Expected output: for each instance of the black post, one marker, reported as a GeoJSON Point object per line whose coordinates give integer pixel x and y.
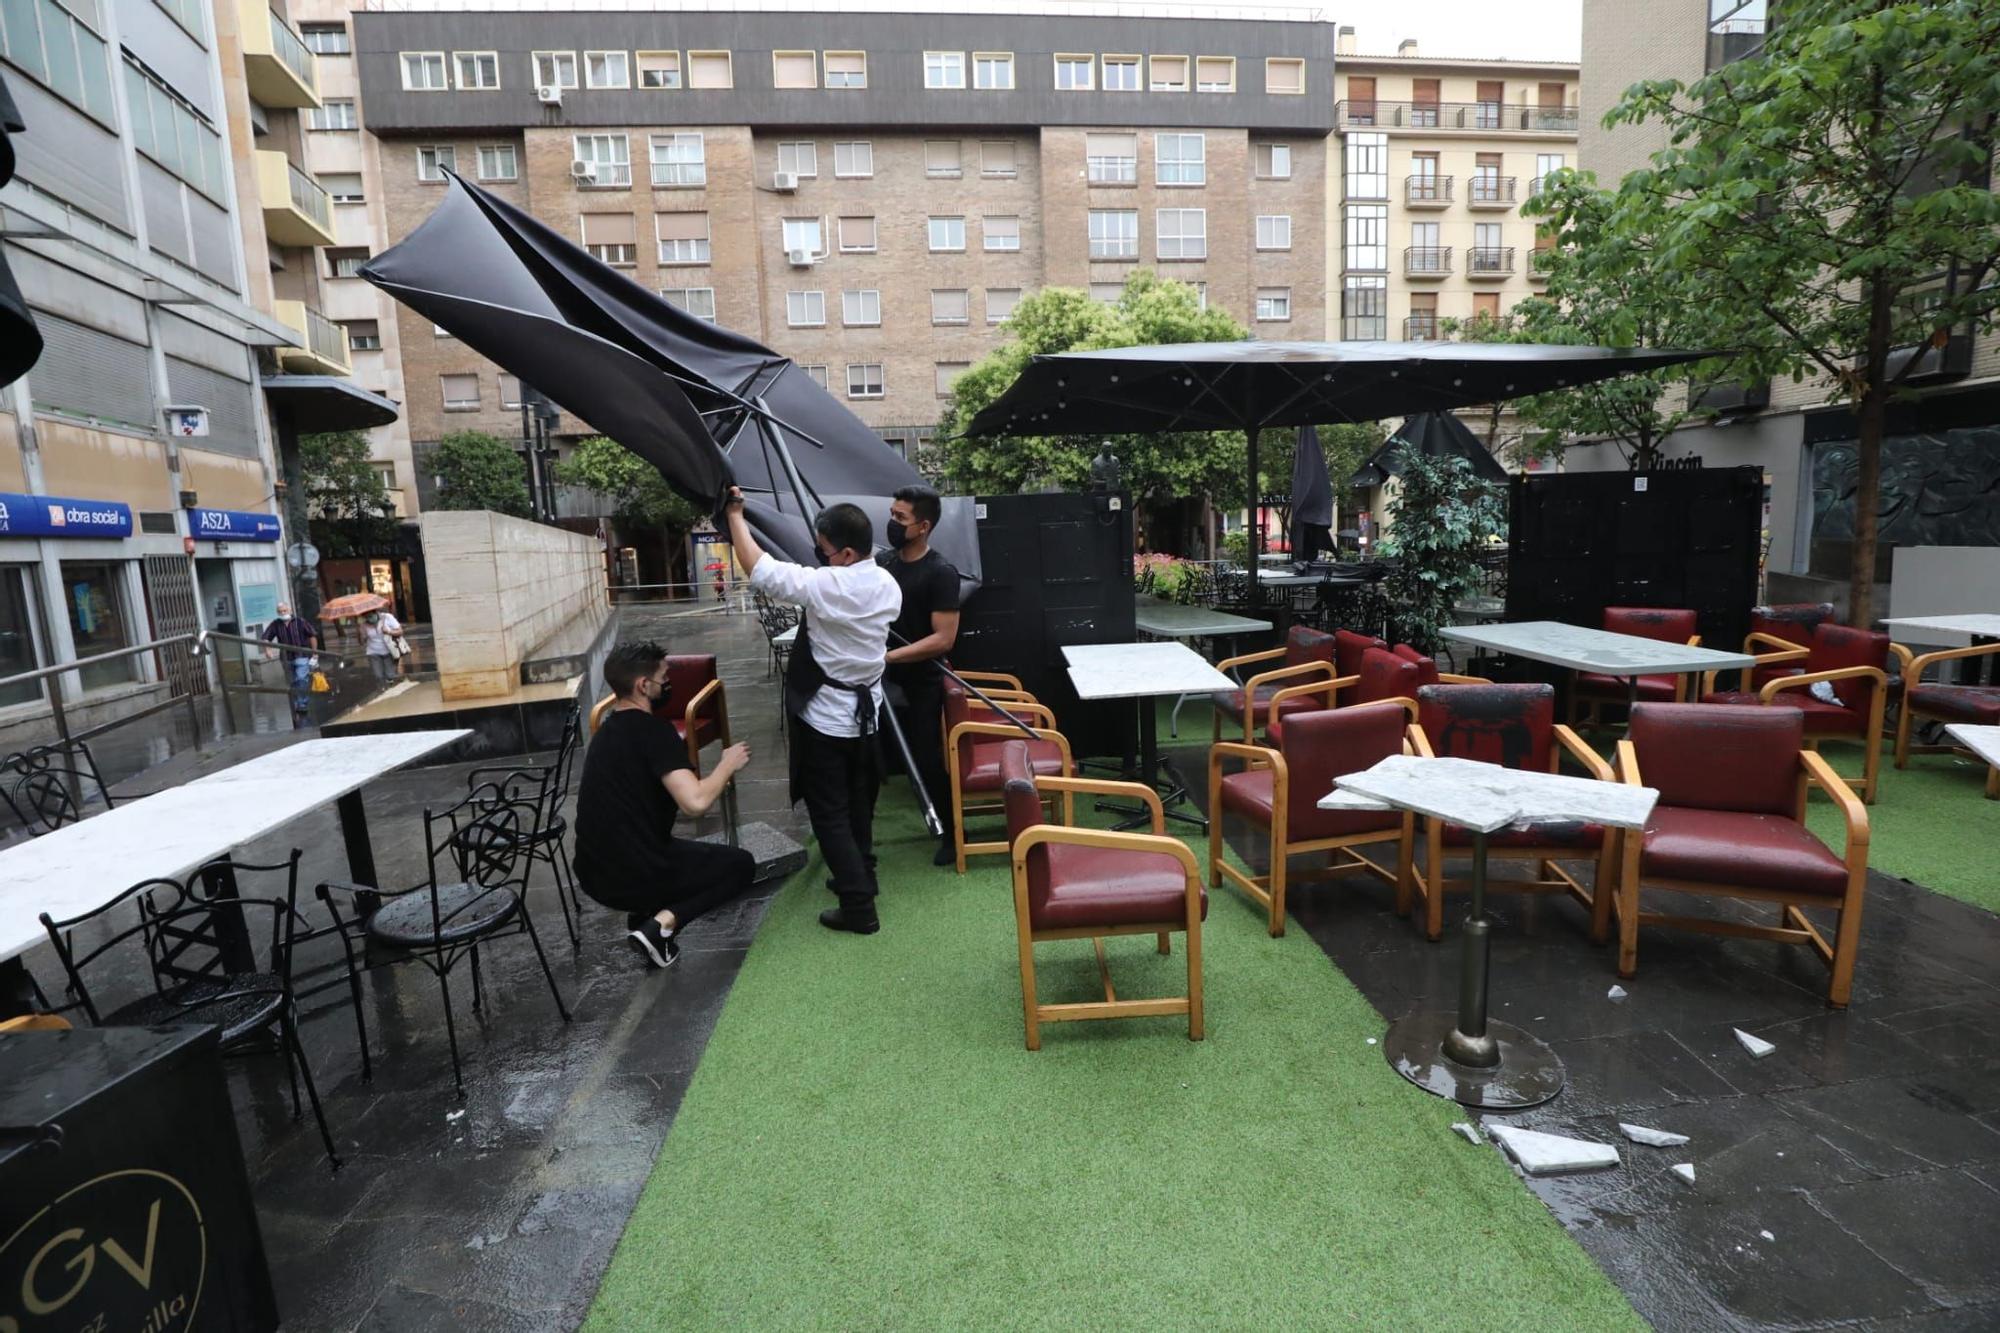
{"type": "Point", "coordinates": [1256, 516]}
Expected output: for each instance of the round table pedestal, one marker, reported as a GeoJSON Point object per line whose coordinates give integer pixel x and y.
{"type": "Point", "coordinates": [1528, 1072]}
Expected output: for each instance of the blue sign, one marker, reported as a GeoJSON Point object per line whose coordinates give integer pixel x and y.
{"type": "Point", "coordinates": [232, 525]}
{"type": "Point", "coordinates": [62, 516]}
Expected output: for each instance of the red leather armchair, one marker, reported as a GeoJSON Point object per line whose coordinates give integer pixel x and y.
{"type": "Point", "coordinates": [1279, 790]}
{"type": "Point", "coordinates": [1786, 627]}
{"type": "Point", "coordinates": [696, 704]}
{"type": "Point", "coordinates": [1852, 661]}
{"type": "Point", "coordinates": [1382, 676]}
{"type": "Point", "coordinates": [1668, 625]}
{"type": "Point", "coordinates": [1308, 654]}
{"type": "Point", "coordinates": [1978, 704]}
{"type": "Point", "coordinates": [1731, 821]}
{"type": "Point", "coordinates": [1515, 727]}
{"type": "Point", "coordinates": [1073, 883]}
{"type": "Point", "coordinates": [975, 736]}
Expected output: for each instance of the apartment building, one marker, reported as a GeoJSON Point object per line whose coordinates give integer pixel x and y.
{"type": "Point", "coordinates": [1438, 156]}
{"type": "Point", "coordinates": [868, 194]}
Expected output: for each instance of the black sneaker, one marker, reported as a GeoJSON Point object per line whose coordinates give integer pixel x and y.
{"type": "Point", "coordinates": [858, 920]}
{"type": "Point", "coordinates": [654, 944]}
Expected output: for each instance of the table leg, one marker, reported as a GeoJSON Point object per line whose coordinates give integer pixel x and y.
{"type": "Point", "coordinates": [360, 852]}
{"type": "Point", "coordinates": [1173, 790]}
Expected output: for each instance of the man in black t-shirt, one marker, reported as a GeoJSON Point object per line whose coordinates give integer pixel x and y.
{"type": "Point", "coordinates": [919, 637]}
{"type": "Point", "coordinates": [636, 779]}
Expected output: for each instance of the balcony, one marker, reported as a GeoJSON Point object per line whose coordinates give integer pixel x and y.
{"type": "Point", "coordinates": [321, 348]}
{"type": "Point", "coordinates": [1490, 192]}
{"type": "Point", "coordinates": [1938, 362]}
{"type": "Point", "coordinates": [1456, 117]}
{"type": "Point", "coordinates": [297, 209]}
{"type": "Point", "coordinates": [1538, 263]}
{"type": "Point", "coordinates": [1421, 328]}
{"type": "Point", "coordinates": [278, 68]}
{"type": "Point", "coordinates": [1489, 261]}
{"type": "Point", "coordinates": [1427, 261]}
{"type": "Point", "coordinates": [1427, 191]}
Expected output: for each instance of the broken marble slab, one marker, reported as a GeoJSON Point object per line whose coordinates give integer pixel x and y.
{"type": "Point", "coordinates": [1542, 1154]}
{"type": "Point", "coordinates": [1616, 994]}
{"type": "Point", "coordinates": [1757, 1046]}
{"type": "Point", "coordinates": [1485, 797]}
{"type": "Point", "coordinates": [1466, 1132]}
{"type": "Point", "coordinates": [1652, 1138]}
{"type": "Point", "coordinates": [1685, 1170]}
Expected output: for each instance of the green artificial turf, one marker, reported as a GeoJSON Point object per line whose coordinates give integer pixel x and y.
{"type": "Point", "coordinates": [1930, 823]}
{"type": "Point", "coordinates": [867, 1143]}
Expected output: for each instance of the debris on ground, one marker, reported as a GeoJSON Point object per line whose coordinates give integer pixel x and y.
{"type": "Point", "coordinates": [1757, 1046]}
{"type": "Point", "coordinates": [1615, 994]}
{"type": "Point", "coordinates": [1466, 1132]}
{"type": "Point", "coordinates": [1652, 1138]}
{"type": "Point", "coordinates": [1685, 1171]}
{"type": "Point", "coordinates": [1541, 1154]}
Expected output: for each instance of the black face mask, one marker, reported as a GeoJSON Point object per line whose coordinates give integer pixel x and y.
{"type": "Point", "coordinates": [899, 536]}
{"type": "Point", "coordinates": [820, 552]}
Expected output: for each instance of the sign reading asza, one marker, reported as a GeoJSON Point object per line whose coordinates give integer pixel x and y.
{"type": "Point", "coordinates": [61, 516]}
{"type": "Point", "coordinates": [232, 525]}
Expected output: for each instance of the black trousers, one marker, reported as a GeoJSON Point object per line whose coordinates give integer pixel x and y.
{"type": "Point", "coordinates": [922, 717]}
{"type": "Point", "coordinates": [703, 876]}
{"type": "Point", "coordinates": [838, 778]}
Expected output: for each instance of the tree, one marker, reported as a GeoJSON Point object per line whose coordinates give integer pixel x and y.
{"type": "Point", "coordinates": [1827, 202]}
{"type": "Point", "coordinates": [1441, 517]}
{"type": "Point", "coordinates": [479, 471]}
{"type": "Point", "coordinates": [347, 502]}
{"type": "Point", "coordinates": [639, 494]}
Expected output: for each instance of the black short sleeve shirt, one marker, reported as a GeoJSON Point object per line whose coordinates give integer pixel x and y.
{"type": "Point", "coordinates": [929, 583]}
{"type": "Point", "coordinates": [624, 814]}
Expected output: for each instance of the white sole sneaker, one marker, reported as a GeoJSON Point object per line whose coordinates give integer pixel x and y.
{"type": "Point", "coordinates": [642, 941]}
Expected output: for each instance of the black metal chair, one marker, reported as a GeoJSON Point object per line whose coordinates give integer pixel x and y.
{"type": "Point", "coordinates": [199, 949]}
{"type": "Point", "coordinates": [546, 787]}
{"type": "Point", "coordinates": [775, 619]}
{"type": "Point", "coordinates": [48, 786]}
{"type": "Point", "coordinates": [477, 859]}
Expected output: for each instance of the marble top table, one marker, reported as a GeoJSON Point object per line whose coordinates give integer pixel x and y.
{"type": "Point", "coordinates": [1982, 741]}
{"type": "Point", "coordinates": [1143, 672]}
{"type": "Point", "coordinates": [1484, 797]}
{"type": "Point", "coordinates": [1952, 630]}
{"type": "Point", "coordinates": [1172, 620]}
{"type": "Point", "coordinates": [1583, 649]}
{"type": "Point", "coordinates": [1284, 577]}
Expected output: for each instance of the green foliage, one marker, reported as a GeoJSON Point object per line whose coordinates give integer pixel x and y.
{"type": "Point", "coordinates": [1441, 516]}
{"type": "Point", "coordinates": [639, 493]}
{"type": "Point", "coordinates": [479, 471]}
{"type": "Point", "coordinates": [1236, 548]}
{"type": "Point", "coordinates": [347, 502]}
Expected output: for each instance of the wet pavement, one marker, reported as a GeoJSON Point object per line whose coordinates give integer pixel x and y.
{"type": "Point", "coordinates": [1849, 1179]}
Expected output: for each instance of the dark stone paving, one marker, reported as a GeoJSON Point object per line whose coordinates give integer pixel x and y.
{"type": "Point", "coordinates": [1867, 1145]}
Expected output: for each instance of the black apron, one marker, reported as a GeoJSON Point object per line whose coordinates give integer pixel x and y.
{"type": "Point", "coordinates": [805, 678]}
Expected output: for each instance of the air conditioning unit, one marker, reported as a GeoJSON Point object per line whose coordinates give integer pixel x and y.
{"type": "Point", "coordinates": [800, 258]}
{"type": "Point", "coordinates": [785, 182]}
{"type": "Point", "coordinates": [549, 94]}
{"type": "Point", "coordinates": [583, 171]}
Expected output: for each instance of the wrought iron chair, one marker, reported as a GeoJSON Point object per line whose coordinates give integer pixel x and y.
{"type": "Point", "coordinates": [546, 788]}
{"type": "Point", "coordinates": [202, 960]}
{"type": "Point", "coordinates": [477, 859]}
{"type": "Point", "coordinates": [48, 786]}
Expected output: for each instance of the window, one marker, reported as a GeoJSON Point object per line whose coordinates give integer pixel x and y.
{"type": "Point", "coordinates": [1546, 165]}
{"type": "Point", "coordinates": [1121, 74]}
{"type": "Point", "coordinates": [461, 392]}
{"type": "Point", "coordinates": [1000, 303]}
{"type": "Point", "coordinates": [343, 187]}
{"type": "Point", "coordinates": [710, 69]}
{"type": "Point", "coordinates": [861, 309]}
{"type": "Point", "coordinates": [1367, 165]}
{"type": "Point", "coordinates": [607, 69]}
{"type": "Point", "coordinates": [857, 235]}
{"type": "Point", "coordinates": [433, 160]}
{"type": "Point", "coordinates": [801, 159]}
{"type": "Point", "coordinates": [611, 157]}
{"type": "Point", "coordinates": [363, 335]}
{"type": "Point", "coordinates": [1114, 233]}
{"type": "Point", "coordinates": [1111, 159]}
{"type": "Point", "coordinates": [1284, 76]}
{"type": "Point", "coordinates": [802, 234]}
{"type": "Point", "coordinates": [477, 69]}
{"type": "Point", "coordinates": [498, 163]}
{"type": "Point", "coordinates": [1422, 325]}
{"type": "Point", "coordinates": [1274, 161]}
{"type": "Point", "coordinates": [950, 306]}
{"type": "Point", "coordinates": [187, 13]}
{"type": "Point", "coordinates": [948, 373]}
{"type": "Point", "coordinates": [1488, 255]}
{"type": "Point", "coordinates": [1486, 187]}
{"type": "Point", "coordinates": [805, 310]}
{"type": "Point", "coordinates": [996, 158]}
{"type": "Point", "coordinates": [794, 69]}
{"type": "Point", "coordinates": [1360, 100]}
{"type": "Point", "coordinates": [696, 301]}
{"type": "Point", "coordinates": [1182, 233]}
{"type": "Point", "coordinates": [1364, 309]}
{"type": "Point", "coordinates": [1735, 30]}
{"type": "Point", "coordinates": [1274, 304]}
{"type": "Point", "coordinates": [1425, 235]}
{"type": "Point", "coordinates": [555, 69]}
{"type": "Point", "coordinates": [17, 637]}
{"type": "Point", "coordinates": [1486, 305]}
{"type": "Point", "coordinates": [683, 237]}
{"type": "Point", "coordinates": [1000, 233]}
{"type": "Point", "coordinates": [1274, 231]}
{"type": "Point", "coordinates": [679, 159]}
{"type": "Point", "coordinates": [346, 262]}
{"type": "Point", "coordinates": [94, 592]}
{"type": "Point", "coordinates": [1180, 159]}
{"type": "Point", "coordinates": [1215, 74]}
{"type": "Point", "coordinates": [815, 373]}
{"type": "Point", "coordinates": [167, 129]}
{"type": "Point", "coordinates": [333, 114]}
{"type": "Point", "coordinates": [864, 380]}
{"type": "Point", "coordinates": [1367, 238]}
{"type": "Point", "coordinates": [61, 50]}
{"type": "Point", "coordinates": [944, 159]}
{"type": "Point", "coordinates": [947, 233]}
{"type": "Point", "coordinates": [993, 71]}
{"type": "Point", "coordinates": [854, 159]}
{"type": "Point", "coordinates": [1106, 293]}
{"type": "Point", "coordinates": [510, 390]}
{"type": "Point", "coordinates": [423, 71]}
{"type": "Point", "coordinates": [1490, 93]}
{"type": "Point", "coordinates": [659, 69]}
{"type": "Point", "coordinates": [326, 39]}
{"type": "Point", "coordinates": [1424, 102]}
{"type": "Point", "coordinates": [944, 69]}
{"type": "Point", "coordinates": [1169, 74]}
{"type": "Point", "coordinates": [1076, 73]}
{"type": "Point", "coordinates": [846, 69]}
{"type": "Point", "coordinates": [612, 238]}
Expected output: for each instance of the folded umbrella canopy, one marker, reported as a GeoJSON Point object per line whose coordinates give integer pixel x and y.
{"type": "Point", "coordinates": [20, 340]}
{"type": "Point", "coordinates": [1433, 435]}
{"type": "Point", "coordinates": [1312, 497]}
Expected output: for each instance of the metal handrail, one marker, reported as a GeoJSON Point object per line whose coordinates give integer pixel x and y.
{"type": "Point", "coordinates": [54, 693]}
{"type": "Point", "coordinates": [201, 645]}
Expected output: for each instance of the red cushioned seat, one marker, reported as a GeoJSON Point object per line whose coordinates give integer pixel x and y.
{"type": "Point", "coordinates": [687, 675]}
{"type": "Point", "coordinates": [1249, 794]}
{"type": "Point", "coordinates": [1045, 757]}
{"type": "Point", "coordinates": [1730, 847]}
{"type": "Point", "coordinates": [1822, 718]}
{"type": "Point", "coordinates": [1958, 703]}
{"type": "Point", "coordinates": [1103, 887]}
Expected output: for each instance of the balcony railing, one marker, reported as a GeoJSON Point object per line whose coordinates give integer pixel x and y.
{"type": "Point", "coordinates": [286, 45]}
{"type": "Point", "coordinates": [310, 197]}
{"type": "Point", "coordinates": [278, 69]}
{"type": "Point", "coordinates": [680, 173]}
{"type": "Point", "coordinates": [1489, 261]}
{"type": "Point", "coordinates": [1420, 329]}
{"type": "Point", "coordinates": [321, 348]}
{"type": "Point", "coordinates": [1490, 192]}
{"type": "Point", "coordinates": [1427, 191]}
{"type": "Point", "coordinates": [1364, 328]}
{"type": "Point", "coordinates": [1538, 264]}
{"type": "Point", "coordinates": [1427, 261]}
{"type": "Point", "coordinates": [297, 209]}
{"type": "Point", "coordinates": [1494, 117]}
{"type": "Point", "coordinates": [1112, 170]}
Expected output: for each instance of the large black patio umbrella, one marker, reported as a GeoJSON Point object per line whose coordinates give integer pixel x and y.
{"type": "Point", "coordinates": [1433, 435]}
{"type": "Point", "coordinates": [1312, 497]}
{"type": "Point", "coordinates": [20, 340]}
{"type": "Point", "coordinates": [1254, 385]}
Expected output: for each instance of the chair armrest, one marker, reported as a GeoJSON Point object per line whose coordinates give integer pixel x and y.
{"type": "Point", "coordinates": [997, 677]}
{"type": "Point", "coordinates": [599, 709]}
{"type": "Point", "coordinates": [1821, 774]}
{"type": "Point", "coordinates": [1914, 668]}
{"type": "Point", "coordinates": [1807, 679]}
{"type": "Point", "coordinates": [1135, 791]}
{"type": "Point", "coordinates": [1904, 657]}
{"type": "Point", "coordinates": [1304, 670]}
{"type": "Point", "coordinates": [1326, 687]}
{"type": "Point", "coordinates": [326, 887]}
{"type": "Point", "coordinates": [1108, 840]}
{"type": "Point", "coordinates": [1244, 659]}
{"type": "Point", "coordinates": [1416, 743]}
{"type": "Point", "coordinates": [1002, 696]}
{"type": "Point", "coordinates": [1255, 756]}
{"type": "Point", "coordinates": [1039, 712]}
{"type": "Point", "coordinates": [1583, 754]}
{"type": "Point", "coordinates": [1448, 678]}
{"type": "Point", "coordinates": [1628, 764]}
{"type": "Point", "coordinates": [1006, 732]}
{"type": "Point", "coordinates": [1786, 650]}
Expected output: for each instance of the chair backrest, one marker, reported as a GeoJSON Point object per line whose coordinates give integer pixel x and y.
{"type": "Point", "coordinates": [1329, 743]}
{"type": "Point", "coordinates": [1384, 675]}
{"type": "Point", "coordinates": [687, 673]}
{"type": "Point", "coordinates": [1720, 757]}
{"type": "Point", "coordinates": [48, 786]}
{"type": "Point", "coordinates": [1305, 644]}
{"type": "Point", "coordinates": [1665, 623]}
{"type": "Point", "coordinates": [566, 748]}
{"type": "Point", "coordinates": [1024, 810]}
{"type": "Point", "coordinates": [1791, 621]}
{"type": "Point", "coordinates": [1348, 647]}
{"type": "Point", "coordinates": [480, 841]}
{"type": "Point", "coordinates": [1427, 667]}
{"type": "Point", "coordinates": [1509, 725]}
{"type": "Point", "coordinates": [1837, 646]}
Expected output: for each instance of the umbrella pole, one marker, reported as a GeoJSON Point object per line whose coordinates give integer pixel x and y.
{"type": "Point", "coordinates": [1256, 513]}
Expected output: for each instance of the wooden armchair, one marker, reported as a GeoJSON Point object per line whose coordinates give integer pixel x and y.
{"type": "Point", "coordinates": [696, 704]}
{"type": "Point", "coordinates": [975, 736]}
{"type": "Point", "coordinates": [1308, 654]}
{"type": "Point", "coordinates": [1591, 690]}
{"type": "Point", "coordinates": [1074, 883]}
{"type": "Point", "coordinates": [1852, 661]}
{"type": "Point", "coordinates": [1977, 704]}
{"type": "Point", "coordinates": [1393, 676]}
{"type": "Point", "coordinates": [1731, 822]}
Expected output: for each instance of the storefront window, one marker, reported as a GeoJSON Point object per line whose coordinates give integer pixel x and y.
{"type": "Point", "coordinates": [98, 620]}
{"type": "Point", "coordinates": [17, 637]}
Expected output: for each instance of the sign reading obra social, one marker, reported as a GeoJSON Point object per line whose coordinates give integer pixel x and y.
{"type": "Point", "coordinates": [62, 516]}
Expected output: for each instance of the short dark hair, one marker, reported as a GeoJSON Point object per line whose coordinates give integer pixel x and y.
{"type": "Point", "coordinates": [925, 506]}
{"type": "Point", "coordinates": [847, 527]}
{"type": "Point", "coordinates": [630, 662]}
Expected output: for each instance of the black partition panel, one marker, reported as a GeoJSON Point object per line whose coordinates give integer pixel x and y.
{"type": "Point", "coordinates": [1582, 541]}
{"type": "Point", "coordinates": [1058, 570]}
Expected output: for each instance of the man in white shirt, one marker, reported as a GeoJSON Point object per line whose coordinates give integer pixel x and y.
{"type": "Point", "coordinates": [833, 691]}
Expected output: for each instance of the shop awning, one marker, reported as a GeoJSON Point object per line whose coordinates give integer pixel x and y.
{"type": "Point", "coordinates": [318, 403]}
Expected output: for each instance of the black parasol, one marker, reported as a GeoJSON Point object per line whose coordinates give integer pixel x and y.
{"type": "Point", "coordinates": [20, 340]}
{"type": "Point", "coordinates": [1433, 435]}
{"type": "Point", "coordinates": [1312, 498]}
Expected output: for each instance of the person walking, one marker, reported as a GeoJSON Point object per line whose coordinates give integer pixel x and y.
{"type": "Point", "coordinates": [382, 643]}
{"type": "Point", "coordinates": [924, 632]}
{"type": "Point", "coordinates": [299, 641]}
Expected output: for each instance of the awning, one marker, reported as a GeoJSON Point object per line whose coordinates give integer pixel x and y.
{"type": "Point", "coordinates": [319, 403]}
